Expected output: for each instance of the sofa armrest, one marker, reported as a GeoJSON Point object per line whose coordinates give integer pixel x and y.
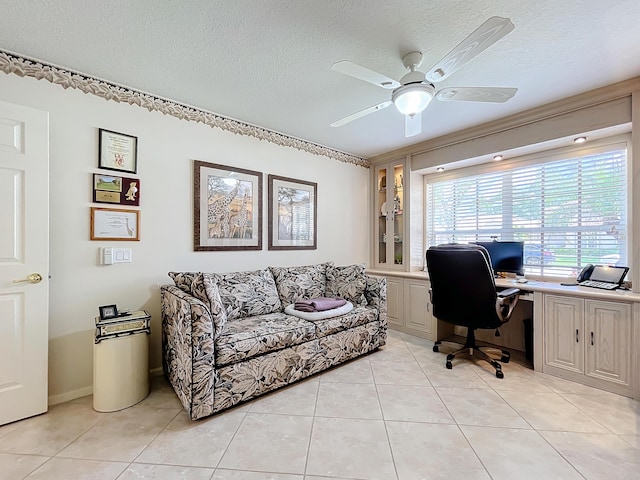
{"type": "Point", "coordinates": [376, 295]}
{"type": "Point", "coordinates": [188, 352]}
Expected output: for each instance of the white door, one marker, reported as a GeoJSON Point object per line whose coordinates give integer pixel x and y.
{"type": "Point", "coordinates": [24, 261]}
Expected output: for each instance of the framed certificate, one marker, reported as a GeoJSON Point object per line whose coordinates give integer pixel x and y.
{"type": "Point", "coordinates": [114, 224]}
{"type": "Point", "coordinates": [117, 151]}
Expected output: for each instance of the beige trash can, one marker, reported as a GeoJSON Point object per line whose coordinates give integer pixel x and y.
{"type": "Point", "coordinates": [121, 362]}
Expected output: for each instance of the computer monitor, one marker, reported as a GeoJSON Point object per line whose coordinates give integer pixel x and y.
{"type": "Point", "coordinates": [506, 257]}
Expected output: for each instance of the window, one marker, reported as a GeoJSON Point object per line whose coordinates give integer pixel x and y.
{"type": "Point", "coordinates": [569, 208]}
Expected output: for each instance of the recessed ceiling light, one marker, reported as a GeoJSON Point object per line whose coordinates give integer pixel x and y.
{"type": "Point", "coordinates": [440, 169]}
{"type": "Point", "coordinates": [497, 158]}
{"type": "Point", "coordinates": [580, 140]}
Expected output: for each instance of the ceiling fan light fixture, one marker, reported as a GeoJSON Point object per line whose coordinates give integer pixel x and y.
{"type": "Point", "coordinates": [413, 98]}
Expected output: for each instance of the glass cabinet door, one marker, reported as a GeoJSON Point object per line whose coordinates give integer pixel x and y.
{"type": "Point", "coordinates": [389, 214]}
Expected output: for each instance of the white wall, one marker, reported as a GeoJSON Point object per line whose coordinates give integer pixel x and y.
{"type": "Point", "coordinates": [166, 150]}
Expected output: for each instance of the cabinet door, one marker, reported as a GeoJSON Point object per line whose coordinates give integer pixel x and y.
{"type": "Point", "coordinates": [417, 306]}
{"type": "Point", "coordinates": [563, 333]}
{"type": "Point", "coordinates": [389, 215]}
{"type": "Point", "coordinates": [608, 339]}
{"type": "Point", "coordinates": [394, 301]}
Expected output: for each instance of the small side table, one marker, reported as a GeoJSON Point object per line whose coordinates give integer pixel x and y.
{"type": "Point", "coordinates": [121, 361]}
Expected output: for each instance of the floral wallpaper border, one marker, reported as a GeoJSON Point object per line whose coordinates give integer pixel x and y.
{"type": "Point", "coordinates": [25, 67]}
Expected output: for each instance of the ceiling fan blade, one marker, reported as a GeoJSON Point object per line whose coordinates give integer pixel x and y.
{"type": "Point", "coordinates": [482, 38]}
{"type": "Point", "coordinates": [412, 124]}
{"type": "Point", "coordinates": [476, 94]}
{"type": "Point", "coordinates": [361, 113]}
{"type": "Point", "coordinates": [361, 73]}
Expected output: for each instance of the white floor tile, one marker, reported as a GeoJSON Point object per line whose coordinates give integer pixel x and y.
{"type": "Point", "coordinates": [509, 454]}
{"type": "Point", "coordinates": [412, 404]}
{"type": "Point", "coordinates": [470, 406]}
{"type": "Point", "coordinates": [355, 371]}
{"type": "Point", "coordinates": [269, 443]}
{"type": "Point", "coordinates": [350, 448]}
{"type": "Point", "coordinates": [422, 450]}
{"type": "Point", "coordinates": [49, 433]}
{"type": "Point", "coordinates": [346, 400]}
{"type": "Point", "coordinates": [298, 399]}
{"type": "Point", "coordinates": [67, 468]}
{"type": "Point", "coordinates": [189, 443]}
{"type": "Point", "coordinates": [550, 411]}
{"type": "Point", "coordinates": [137, 471]}
{"type": "Point", "coordinates": [399, 373]}
{"type": "Point", "coordinates": [597, 455]}
{"type": "Point", "coordinates": [222, 474]}
{"type": "Point", "coordinates": [17, 467]}
{"type": "Point", "coordinates": [619, 414]}
{"type": "Point", "coordinates": [121, 436]}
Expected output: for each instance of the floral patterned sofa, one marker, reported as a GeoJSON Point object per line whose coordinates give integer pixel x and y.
{"type": "Point", "coordinates": [226, 338]}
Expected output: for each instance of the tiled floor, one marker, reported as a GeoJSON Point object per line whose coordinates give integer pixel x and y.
{"type": "Point", "coordinates": [394, 414]}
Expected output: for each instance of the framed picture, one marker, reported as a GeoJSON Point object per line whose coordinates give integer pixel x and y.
{"type": "Point", "coordinates": [227, 208]}
{"type": "Point", "coordinates": [108, 311]}
{"type": "Point", "coordinates": [116, 190]}
{"type": "Point", "coordinates": [293, 206]}
{"type": "Point", "coordinates": [115, 224]}
{"type": "Point", "coordinates": [117, 151]}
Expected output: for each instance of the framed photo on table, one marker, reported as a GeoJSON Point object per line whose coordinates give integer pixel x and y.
{"type": "Point", "coordinates": [117, 151]}
{"type": "Point", "coordinates": [227, 208]}
{"type": "Point", "coordinates": [293, 206]}
{"type": "Point", "coordinates": [108, 311]}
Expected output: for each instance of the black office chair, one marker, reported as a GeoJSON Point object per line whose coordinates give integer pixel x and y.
{"type": "Point", "coordinates": [463, 292]}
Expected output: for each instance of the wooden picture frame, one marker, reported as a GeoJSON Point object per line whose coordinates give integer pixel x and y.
{"type": "Point", "coordinates": [227, 208]}
{"type": "Point", "coordinates": [117, 151]}
{"type": "Point", "coordinates": [115, 224]}
{"type": "Point", "coordinates": [293, 214]}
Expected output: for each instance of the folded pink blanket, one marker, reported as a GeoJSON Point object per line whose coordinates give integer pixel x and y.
{"type": "Point", "coordinates": [319, 304]}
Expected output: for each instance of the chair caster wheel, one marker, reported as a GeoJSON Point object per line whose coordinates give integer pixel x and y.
{"type": "Point", "coordinates": [449, 365]}
{"type": "Point", "coordinates": [499, 374]}
{"type": "Point", "coordinates": [436, 348]}
{"type": "Point", "coordinates": [505, 358]}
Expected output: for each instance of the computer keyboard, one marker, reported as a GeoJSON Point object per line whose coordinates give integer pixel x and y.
{"type": "Point", "coordinates": [596, 284]}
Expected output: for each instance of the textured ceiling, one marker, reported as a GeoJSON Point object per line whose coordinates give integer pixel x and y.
{"type": "Point", "coordinates": [267, 62]}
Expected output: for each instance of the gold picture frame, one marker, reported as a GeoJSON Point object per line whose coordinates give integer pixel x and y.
{"type": "Point", "coordinates": [115, 224]}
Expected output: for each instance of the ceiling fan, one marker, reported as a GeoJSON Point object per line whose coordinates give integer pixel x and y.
{"type": "Point", "coordinates": [413, 93]}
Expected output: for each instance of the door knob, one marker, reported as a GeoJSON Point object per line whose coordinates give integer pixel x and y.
{"type": "Point", "coordinates": [32, 278]}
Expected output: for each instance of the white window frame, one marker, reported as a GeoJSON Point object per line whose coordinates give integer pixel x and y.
{"type": "Point", "coordinates": [611, 143]}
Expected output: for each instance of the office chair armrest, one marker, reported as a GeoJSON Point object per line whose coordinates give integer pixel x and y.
{"type": "Point", "coordinates": [509, 292]}
{"type": "Point", "coordinates": [506, 302]}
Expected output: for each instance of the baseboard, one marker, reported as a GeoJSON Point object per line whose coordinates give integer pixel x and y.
{"type": "Point", "coordinates": [67, 396]}
{"type": "Point", "coordinates": [83, 392]}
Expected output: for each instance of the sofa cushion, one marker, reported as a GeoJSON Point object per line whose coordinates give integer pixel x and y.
{"type": "Point", "coordinates": [183, 280]}
{"type": "Point", "coordinates": [250, 337]}
{"type": "Point", "coordinates": [294, 283]}
{"type": "Point", "coordinates": [246, 294]}
{"type": "Point", "coordinates": [358, 316]}
{"type": "Point", "coordinates": [348, 282]}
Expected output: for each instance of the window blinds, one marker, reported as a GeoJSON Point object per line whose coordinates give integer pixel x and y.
{"type": "Point", "coordinates": [569, 211]}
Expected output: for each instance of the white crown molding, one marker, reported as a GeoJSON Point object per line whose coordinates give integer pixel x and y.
{"type": "Point", "coordinates": [11, 63]}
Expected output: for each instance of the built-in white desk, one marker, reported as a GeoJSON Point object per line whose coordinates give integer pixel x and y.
{"type": "Point", "coordinates": [583, 334]}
